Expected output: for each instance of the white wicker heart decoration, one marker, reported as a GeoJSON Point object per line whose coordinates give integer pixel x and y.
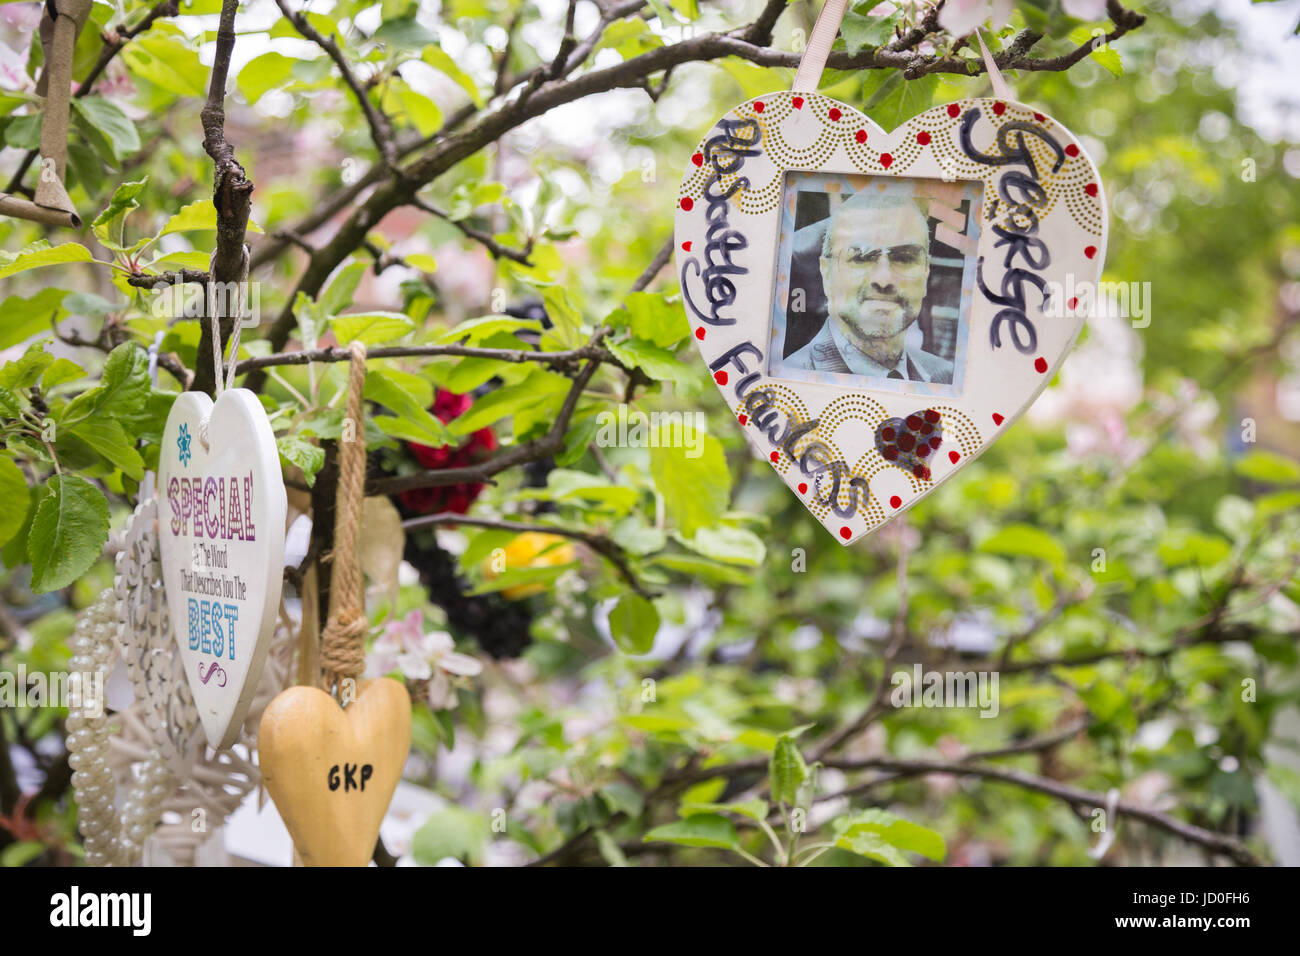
{"type": "Point", "coordinates": [152, 659]}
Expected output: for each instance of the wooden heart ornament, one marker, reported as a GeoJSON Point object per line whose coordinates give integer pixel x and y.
{"type": "Point", "coordinates": [332, 771]}
{"type": "Point", "coordinates": [877, 307]}
{"type": "Point", "coordinates": [221, 531]}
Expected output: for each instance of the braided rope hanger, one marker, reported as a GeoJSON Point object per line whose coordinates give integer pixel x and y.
{"type": "Point", "coordinates": [61, 24]}
{"type": "Point", "coordinates": [343, 651]}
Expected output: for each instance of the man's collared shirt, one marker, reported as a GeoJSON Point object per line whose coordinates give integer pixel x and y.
{"type": "Point", "coordinates": [830, 352]}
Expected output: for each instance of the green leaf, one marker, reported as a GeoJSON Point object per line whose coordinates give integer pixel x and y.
{"type": "Point", "coordinates": [21, 853]}
{"type": "Point", "coordinates": [338, 294]}
{"type": "Point", "coordinates": [123, 390]}
{"type": "Point", "coordinates": [26, 317]}
{"type": "Point", "coordinates": [704, 830]}
{"type": "Point", "coordinates": [873, 846]}
{"type": "Point", "coordinates": [16, 495]}
{"type": "Point", "coordinates": [393, 390]}
{"type": "Point", "coordinates": [435, 57]}
{"type": "Point", "coordinates": [404, 33]}
{"type": "Point", "coordinates": [732, 545]}
{"type": "Point", "coordinates": [485, 326]}
{"type": "Point", "coordinates": [25, 372]}
{"type": "Point", "coordinates": [198, 216]}
{"type": "Point", "coordinates": [371, 328]}
{"type": "Point", "coordinates": [24, 132]}
{"type": "Point", "coordinates": [1022, 540]}
{"type": "Point", "coordinates": [1193, 547]}
{"type": "Point", "coordinates": [897, 832]}
{"type": "Point", "coordinates": [109, 438]}
{"type": "Point", "coordinates": [532, 392]}
{"type": "Point", "coordinates": [634, 622]}
{"type": "Point", "coordinates": [786, 771]}
{"type": "Point", "coordinates": [264, 73]}
{"type": "Point", "coordinates": [167, 62]}
{"type": "Point", "coordinates": [660, 364]}
{"type": "Point", "coordinates": [123, 200]}
{"type": "Point", "coordinates": [756, 810]}
{"type": "Point", "coordinates": [300, 452]}
{"type": "Point", "coordinates": [68, 532]}
{"type": "Point", "coordinates": [61, 370]}
{"type": "Point", "coordinates": [652, 317]}
{"type": "Point", "coordinates": [696, 490]}
{"type": "Point", "coordinates": [40, 254]}
{"type": "Point", "coordinates": [451, 832]}
{"type": "Point", "coordinates": [107, 119]}
{"type": "Point", "coordinates": [1268, 467]}
{"type": "Point", "coordinates": [701, 569]}
{"type": "Point", "coordinates": [861, 31]}
{"type": "Point", "coordinates": [624, 798]}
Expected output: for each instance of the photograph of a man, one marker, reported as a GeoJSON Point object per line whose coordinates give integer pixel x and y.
{"type": "Point", "coordinates": [872, 291]}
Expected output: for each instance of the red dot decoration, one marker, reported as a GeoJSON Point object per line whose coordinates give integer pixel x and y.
{"type": "Point", "coordinates": [953, 457]}
{"type": "Point", "coordinates": [775, 456]}
{"type": "Point", "coordinates": [698, 159]}
{"type": "Point", "coordinates": [1090, 251]}
{"type": "Point", "coordinates": [743, 419]}
{"type": "Point", "coordinates": [700, 333]}
{"type": "Point", "coordinates": [686, 246]}
{"type": "Point", "coordinates": [895, 501]}
{"type": "Point", "coordinates": [1040, 364]}
{"type": "Point", "coordinates": [999, 108]}
{"type": "Point", "coordinates": [720, 377]}
{"type": "Point", "coordinates": [688, 204]}
{"type": "Point", "coordinates": [834, 114]}
{"type": "Point", "coordinates": [860, 136]}
{"type": "Point", "coordinates": [1090, 189]}
{"type": "Point", "coordinates": [923, 138]}
{"type": "Point", "coordinates": [803, 487]}
{"type": "Point", "coordinates": [758, 107]}
{"type": "Point", "coordinates": [886, 160]}
{"type": "Point", "coordinates": [845, 533]}
{"type": "Point", "coordinates": [953, 110]}
{"type": "Point", "coordinates": [797, 101]}
{"type": "Point", "coordinates": [998, 419]}
{"type": "Point", "coordinates": [1072, 150]}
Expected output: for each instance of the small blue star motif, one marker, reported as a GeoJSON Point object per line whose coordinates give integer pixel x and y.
{"type": "Point", "coordinates": [183, 444]}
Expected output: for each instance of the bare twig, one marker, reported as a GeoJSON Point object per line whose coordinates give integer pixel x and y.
{"type": "Point", "coordinates": [606, 548]}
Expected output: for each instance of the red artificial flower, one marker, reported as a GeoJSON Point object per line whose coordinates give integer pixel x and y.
{"type": "Point", "coordinates": [454, 498]}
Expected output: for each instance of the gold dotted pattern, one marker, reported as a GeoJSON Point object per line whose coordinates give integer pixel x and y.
{"type": "Point", "coordinates": [1069, 184]}
{"type": "Point", "coordinates": [958, 425]}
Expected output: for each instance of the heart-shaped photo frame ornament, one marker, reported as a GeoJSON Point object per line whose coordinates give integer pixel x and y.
{"type": "Point", "coordinates": [841, 280]}
{"type": "Point", "coordinates": [221, 532]}
{"type": "Point", "coordinates": [332, 771]}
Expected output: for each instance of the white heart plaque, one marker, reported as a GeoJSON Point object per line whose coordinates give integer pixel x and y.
{"type": "Point", "coordinates": [877, 307]}
{"type": "Point", "coordinates": [221, 530]}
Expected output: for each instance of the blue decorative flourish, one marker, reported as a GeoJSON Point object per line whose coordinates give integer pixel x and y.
{"type": "Point", "coordinates": [183, 445]}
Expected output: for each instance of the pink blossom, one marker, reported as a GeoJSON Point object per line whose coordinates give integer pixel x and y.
{"type": "Point", "coordinates": [960, 17]}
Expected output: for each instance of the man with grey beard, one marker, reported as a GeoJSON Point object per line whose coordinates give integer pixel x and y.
{"type": "Point", "coordinates": [875, 265]}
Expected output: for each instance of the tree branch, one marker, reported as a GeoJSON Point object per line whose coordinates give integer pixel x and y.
{"type": "Point", "coordinates": [606, 548]}
{"type": "Point", "coordinates": [232, 194]}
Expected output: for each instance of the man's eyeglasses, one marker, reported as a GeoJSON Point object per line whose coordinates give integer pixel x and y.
{"type": "Point", "coordinates": [904, 260]}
